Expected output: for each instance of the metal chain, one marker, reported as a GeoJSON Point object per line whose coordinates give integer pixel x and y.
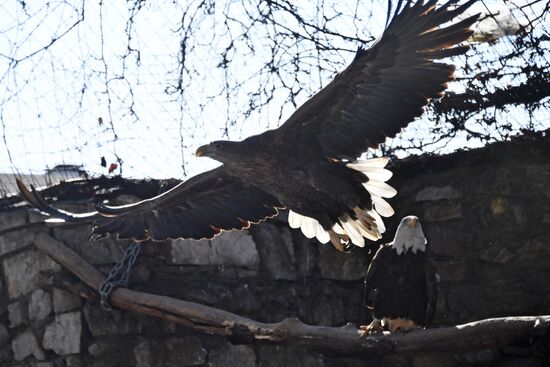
{"type": "Point", "coordinates": [119, 274]}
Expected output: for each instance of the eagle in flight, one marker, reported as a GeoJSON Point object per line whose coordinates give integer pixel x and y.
{"type": "Point", "coordinates": [309, 165]}
{"type": "Point", "coordinates": [401, 286]}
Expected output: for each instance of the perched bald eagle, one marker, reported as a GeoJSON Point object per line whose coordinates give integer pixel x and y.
{"type": "Point", "coordinates": [401, 285]}
{"type": "Point", "coordinates": [309, 164]}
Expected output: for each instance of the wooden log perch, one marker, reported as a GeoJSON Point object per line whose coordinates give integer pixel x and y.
{"type": "Point", "coordinates": [483, 334]}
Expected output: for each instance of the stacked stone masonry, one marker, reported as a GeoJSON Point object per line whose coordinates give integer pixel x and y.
{"type": "Point", "coordinates": [486, 214]}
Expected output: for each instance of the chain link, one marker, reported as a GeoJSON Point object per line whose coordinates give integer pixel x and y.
{"type": "Point", "coordinates": [119, 274]}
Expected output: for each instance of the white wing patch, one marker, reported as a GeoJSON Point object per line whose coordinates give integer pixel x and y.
{"type": "Point", "coordinates": [369, 224]}
{"type": "Point", "coordinates": [309, 226]}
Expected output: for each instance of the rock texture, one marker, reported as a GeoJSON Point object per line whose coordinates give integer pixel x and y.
{"type": "Point", "coordinates": [40, 305]}
{"type": "Point", "coordinates": [21, 271]}
{"type": "Point", "coordinates": [63, 335]}
{"type": "Point", "coordinates": [486, 214]}
{"type": "Point", "coordinates": [25, 345]}
{"type": "Point", "coordinates": [64, 301]}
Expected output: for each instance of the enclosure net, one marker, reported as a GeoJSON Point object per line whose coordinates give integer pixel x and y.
{"type": "Point", "coordinates": [132, 88]}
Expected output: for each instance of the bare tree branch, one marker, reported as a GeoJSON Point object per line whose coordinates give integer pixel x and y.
{"type": "Point", "coordinates": [483, 334]}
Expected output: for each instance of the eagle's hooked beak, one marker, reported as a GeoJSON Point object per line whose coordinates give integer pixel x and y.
{"type": "Point", "coordinates": [200, 151]}
{"type": "Point", "coordinates": [412, 223]}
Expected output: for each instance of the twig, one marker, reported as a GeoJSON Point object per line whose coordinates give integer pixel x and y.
{"type": "Point", "coordinates": [483, 334]}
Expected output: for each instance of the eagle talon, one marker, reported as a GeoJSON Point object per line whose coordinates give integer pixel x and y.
{"type": "Point", "coordinates": [340, 242]}
{"type": "Point", "coordinates": [374, 327]}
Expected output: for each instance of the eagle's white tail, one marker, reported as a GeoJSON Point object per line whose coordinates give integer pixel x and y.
{"type": "Point", "coordinates": [369, 224]}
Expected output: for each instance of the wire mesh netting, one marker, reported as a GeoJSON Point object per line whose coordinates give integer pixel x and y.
{"type": "Point", "coordinates": [132, 88]}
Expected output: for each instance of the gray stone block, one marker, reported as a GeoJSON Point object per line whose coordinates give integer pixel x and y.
{"type": "Point", "coordinates": [232, 355]}
{"type": "Point", "coordinates": [6, 354]}
{"type": "Point", "coordinates": [306, 253]}
{"type": "Point", "coordinates": [322, 312]}
{"type": "Point", "coordinates": [454, 270]}
{"type": "Point", "coordinates": [186, 351]}
{"type": "Point", "coordinates": [64, 301]}
{"type": "Point", "coordinates": [235, 248]}
{"type": "Point", "coordinates": [40, 305]}
{"type": "Point", "coordinates": [17, 314]}
{"type": "Point", "coordinates": [74, 361]}
{"type": "Point", "coordinates": [115, 322]}
{"type": "Point", "coordinates": [240, 300]}
{"type": "Point", "coordinates": [63, 335]}
{"type": "Point", "coordinates": [276, 251]}
{"type": "Point", "coordinates": [494, 253]}
{"type": "Point", "coordinates": [445, 240]}
{"type": "Point", "coordinates": [21, 271]}
{"type": "Point", "coordinates": [12, 219]}
{"type": "Point", "coordinates": [443, 212]}
{"type": "Point", "coordinates": [192, 252]}
{"type": "Point", "coordinates": [538, 175]}
{"type": "Point", "coordinates": [284, 356]}
{"type": "Point", "coordinates": [96, 252]}
{"type": "Point", "coordinates": [144, 355]}
{"type": "Point", "coordinates": [340, 266]}
{"type": "Point", "coordinates": [433, 193]}
{"type": "Point", "coordinates": [12, 241]}
{"type": "Point", "coordinates": [73, 235]}
{"type": "Point", "coordinates": [24, 345]}
{"type": "Point", "coordinates": [534, 250]}
{"type": "Point", "coordinates": [4, 335]}
{"type": "Point", "coordinates": [100, 348]}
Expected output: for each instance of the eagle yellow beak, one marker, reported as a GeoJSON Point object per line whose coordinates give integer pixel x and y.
{"type": "Point", "coordinates": [412, 223]}
{"type": "Point", "coordinates": [200, 151]}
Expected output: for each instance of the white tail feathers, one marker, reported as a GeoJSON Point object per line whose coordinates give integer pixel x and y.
{"type": "Point", "coordinates": [368, 224]}
{"type": "Point", "coordinates": [378, 220]}
{"type": "Point", "coordinates": [353, 230]}
{"type": "Point", "coordinates": [367, 164]}
{"type": "Point", "coordinates": [377, 186]}
{"type": "Point", "coordinates": [382, 206]}
{"type": "Point", "coordinates": [381, 189]}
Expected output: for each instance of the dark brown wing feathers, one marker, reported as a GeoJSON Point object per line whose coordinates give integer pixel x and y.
{"type": "Point", "coordinates": [36, 200]}
{"type": "Point", "coordinates": [386, 86]}
{"type": "Point", "coordinates": [200, 207]}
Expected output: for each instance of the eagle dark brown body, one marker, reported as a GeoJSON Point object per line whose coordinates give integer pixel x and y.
{"type": "Point", "coordinates": [321, 189]}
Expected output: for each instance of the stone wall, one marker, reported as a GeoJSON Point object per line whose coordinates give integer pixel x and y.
{"type": "Point", "coordinates": [486, 214]}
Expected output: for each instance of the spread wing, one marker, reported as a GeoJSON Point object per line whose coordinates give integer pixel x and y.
{"type": "Point", "coordinates": [432, 289]}
{"type": "Point", "coordinates": [200, 207]}
{"type": "Point", "coordinates": [386, 86]}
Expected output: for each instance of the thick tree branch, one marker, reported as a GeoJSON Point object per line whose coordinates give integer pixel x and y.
{"type": "Point", "coordinates": [489, 333]}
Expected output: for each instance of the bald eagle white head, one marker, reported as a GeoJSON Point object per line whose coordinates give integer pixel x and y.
{"type": "Point", "coordinates": [409, 236]}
